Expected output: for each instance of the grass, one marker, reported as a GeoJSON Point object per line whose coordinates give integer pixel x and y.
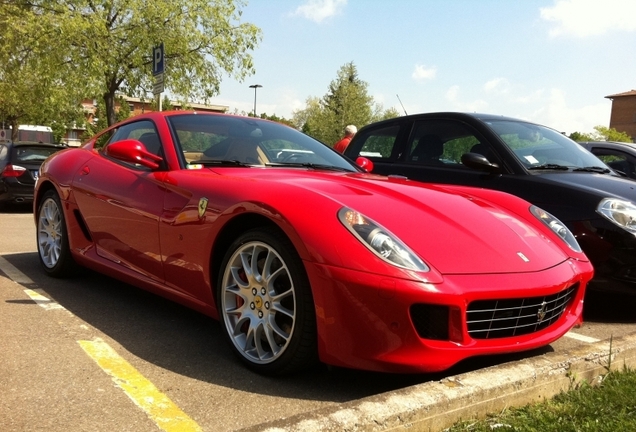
{"type": "Point", "coordinates": [607, 407]}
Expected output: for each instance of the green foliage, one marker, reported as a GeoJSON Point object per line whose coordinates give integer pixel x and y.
{"type": "Point", "coordinates": [601, 133]}
{"type": "Point", "coordinates": [346, 102]}
{"type": "Point", "coordinates": [104, 47]}
{"type": "Point", "coordinates": [32, 80]}
{"type": "Point", "coordinates": [581, 137]}
{"type": "Point", "coordinates": [100, 115]}
{"type": "Point", "coordinates": [277, 119]}
{"type": "Point", "coordinates": [611, 134]}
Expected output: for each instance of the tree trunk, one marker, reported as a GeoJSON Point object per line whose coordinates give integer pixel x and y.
{"type": "Point", "coordinates": [111, 115]}
{"type": "Point", "coordinates": [15, 129]}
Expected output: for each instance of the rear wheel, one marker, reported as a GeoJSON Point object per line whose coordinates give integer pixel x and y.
{"type": "Point", "coordinates": [52, 237]}
{"type": "Point", "coordinates": [265, 304]}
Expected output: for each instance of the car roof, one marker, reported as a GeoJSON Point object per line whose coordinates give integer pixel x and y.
{"type": "Point", "coordinates": [32, 144]}
{"type": "Point", "coordinates": [450, 114]}
{"type": "Point", "coordinates": [608, 143]}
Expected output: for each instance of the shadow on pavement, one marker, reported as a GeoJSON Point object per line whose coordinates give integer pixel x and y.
{"type": "Point", "coordinates": [183, 341]}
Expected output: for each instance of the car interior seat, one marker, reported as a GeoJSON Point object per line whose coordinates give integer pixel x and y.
{"type": "Point", "coordinates": [244, 150]}
{"type": "Point", "coordinates": [150, 140]}
{"type": "Point", "coordinates": [428, 150]}
{"type": "Point", "coordinates": [482, 149]}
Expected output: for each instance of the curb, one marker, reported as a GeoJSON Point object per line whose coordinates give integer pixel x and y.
{"type": "Point", "coordinates": [433, 406]}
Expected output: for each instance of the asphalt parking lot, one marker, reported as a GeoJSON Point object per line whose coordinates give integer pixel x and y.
{"type": "Point", "coordinates": [91, 353]}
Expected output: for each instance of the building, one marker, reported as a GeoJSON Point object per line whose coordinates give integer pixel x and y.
{"type": "Point", "coordinates": [623, 114]}
{"type": "Point", "coordinates": [75, 136]}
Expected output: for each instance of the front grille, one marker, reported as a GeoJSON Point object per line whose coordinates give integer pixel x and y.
{"type": "Point", "coordinates": [491, 319]}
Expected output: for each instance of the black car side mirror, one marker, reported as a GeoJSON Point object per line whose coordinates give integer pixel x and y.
{"type": "Point", "coordinates": [479, 162]}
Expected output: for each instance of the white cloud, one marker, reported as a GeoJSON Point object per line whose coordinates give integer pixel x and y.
{"type": "Point", "coordinates": [319, 10]}
{"type": "Point", "coordinates": [558, 115]}
{"type": "Point", "coordinates": [477, 105]}
{"type": "Point", "coordinates": [452, 93]}
{"type": "Point", "coordinates": [581, 18]}
{"type": "Point", "coordinates": [422, 73]}
{"type": "Point", "coordinates": [497, 85]}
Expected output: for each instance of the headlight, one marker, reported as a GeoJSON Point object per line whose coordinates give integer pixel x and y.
{"type": "Point", "coordinates": [557, 226]}
{"type": "Point", "coordinates": [380, 241]}
{"type": "Point", "coordinates": [621, 212]}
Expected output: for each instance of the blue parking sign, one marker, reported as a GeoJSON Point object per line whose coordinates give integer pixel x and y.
{"type": "Point", "coordinates": [157, 60]}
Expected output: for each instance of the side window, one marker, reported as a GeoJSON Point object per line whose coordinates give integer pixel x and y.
{"type": "Point", "coordinates": [442, 143]}
{"type": "Point", "coordinates": [103, 139]}
{"type": "Point", "coordinates": [617, 161]}
{"type": "Point", "coordinates": [378, 143]}
{"type": "Point", "coordinates": [143, 131]}
{"type": "Point", "coordinates": [4, 152]}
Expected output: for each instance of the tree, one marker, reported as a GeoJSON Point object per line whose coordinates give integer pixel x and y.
{"type": "Point", "coordinates": [32, 88]}
{"type": "Point", "coordinates": [611, 134]}
{"type": "Point", "coordinates": [107, 44]}
{"type": "Point", "coordinates": [346, 102]}
{"type": "Point", "coordinates": [100, 120]}
{"type": "Point", "coordinates": [601, 133]}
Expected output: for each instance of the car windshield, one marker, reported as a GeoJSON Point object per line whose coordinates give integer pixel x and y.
{"type": "Point", "coordinates": [539, 147]}
{"type": "Point", "coordinates": [244, 141]}
{"type": "Point", "coordinates": [32, 153]}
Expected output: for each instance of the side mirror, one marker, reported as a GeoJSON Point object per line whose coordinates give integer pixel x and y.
{"type": "Point", "coordinates": [479, 162]}
{"type": "Point", "coordinates": [364, 163]}
{"type": "Point", "coordinates": [133, 151]}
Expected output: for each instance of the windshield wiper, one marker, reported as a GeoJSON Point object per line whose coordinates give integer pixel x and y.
{"type": "Point", "coordinates": [221, 163]}
{"type": "Point", "coordinates": [309, 165]}
{"type": "Point", "coordinates": [549, 167]}
{"type": "Point", "coordinates": [594, 169]}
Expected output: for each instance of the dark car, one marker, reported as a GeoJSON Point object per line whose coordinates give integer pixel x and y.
{"type": "Point", "coordinates": [531, 161]}
{"type": "Point", "coordinates": [620, 156]}
{"type": "Point", "coordinates": [19, 165]}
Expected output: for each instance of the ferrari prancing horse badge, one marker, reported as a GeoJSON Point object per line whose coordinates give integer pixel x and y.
{"type": "Point", "coordinates": [203, 204]}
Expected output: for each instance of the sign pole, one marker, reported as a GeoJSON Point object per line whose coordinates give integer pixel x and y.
{"type": "Point", "coordinates": [158, 66]}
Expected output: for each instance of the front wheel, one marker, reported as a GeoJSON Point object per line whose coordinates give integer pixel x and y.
{"type": "Point", "coordinates": [52, 237]}
{"type": "Point", "coordinates": [265, 304]}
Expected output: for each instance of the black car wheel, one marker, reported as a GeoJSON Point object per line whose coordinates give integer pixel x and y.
{"type": "Point", "coordinates": [52, 237]}
{"type": "Point", "coordinates": [265, 304]}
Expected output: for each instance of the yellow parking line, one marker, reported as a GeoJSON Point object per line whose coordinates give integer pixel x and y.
{"type": "Point", "coordinates": [13, 273]}
{"type": "Point", "coordinates": [43, 301]}
{"type": "Point", "coordinates": [143, 393]}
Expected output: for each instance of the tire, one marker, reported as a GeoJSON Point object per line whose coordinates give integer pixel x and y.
{"type": "Point", "coordinates": [265, 304]}
{"type": "Point", "coordinates": [52, 237]}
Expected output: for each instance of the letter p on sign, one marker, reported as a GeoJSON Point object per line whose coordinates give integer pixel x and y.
{"type": "Point", "coordinates": [157, 60]}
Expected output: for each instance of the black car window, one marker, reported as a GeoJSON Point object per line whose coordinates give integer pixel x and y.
{"type": "Point", "coordinates": [616, 160]}
{"type": "Point", "coordinates": [538, 146]}
{"type": "Point", "coordinates": [4, 151]}
{"type": "Point", "coordinates": [378, 143]}
{"type": "Point", "coordinates": [443, 143]}
{"type": "Point", "coordinates": [32, 153]}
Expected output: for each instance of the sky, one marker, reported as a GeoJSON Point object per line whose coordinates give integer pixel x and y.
{"type": "Point", "coordinates": [552, 62]}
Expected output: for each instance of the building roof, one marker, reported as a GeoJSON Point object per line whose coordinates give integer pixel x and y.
{"type": "Point", "coordinates": [628, 93]}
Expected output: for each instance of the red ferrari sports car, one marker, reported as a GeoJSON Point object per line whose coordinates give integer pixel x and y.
{"type": "Point", "coordinates": [302, 256]}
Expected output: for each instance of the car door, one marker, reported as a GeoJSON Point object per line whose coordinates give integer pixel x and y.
{"type": "Point", "coordinates": [121, 203]}
{"type": "Point", "coordinates": [427, 150]}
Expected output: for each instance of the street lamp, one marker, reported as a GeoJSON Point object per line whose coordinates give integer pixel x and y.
{"type": "Point", "coordinates": [255, 86]}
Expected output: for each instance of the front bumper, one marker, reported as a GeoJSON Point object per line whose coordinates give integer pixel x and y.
{"type": "Point", "coordinates": [365, 321]}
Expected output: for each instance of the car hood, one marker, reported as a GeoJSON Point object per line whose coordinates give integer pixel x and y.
{"type": "Point", "coordinates": [451, 230]}
{"type": "Point", "coordinates": [602, 185]}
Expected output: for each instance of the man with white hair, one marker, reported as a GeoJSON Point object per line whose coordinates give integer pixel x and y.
{"type": "Point", "coordinates": [341, 145]}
